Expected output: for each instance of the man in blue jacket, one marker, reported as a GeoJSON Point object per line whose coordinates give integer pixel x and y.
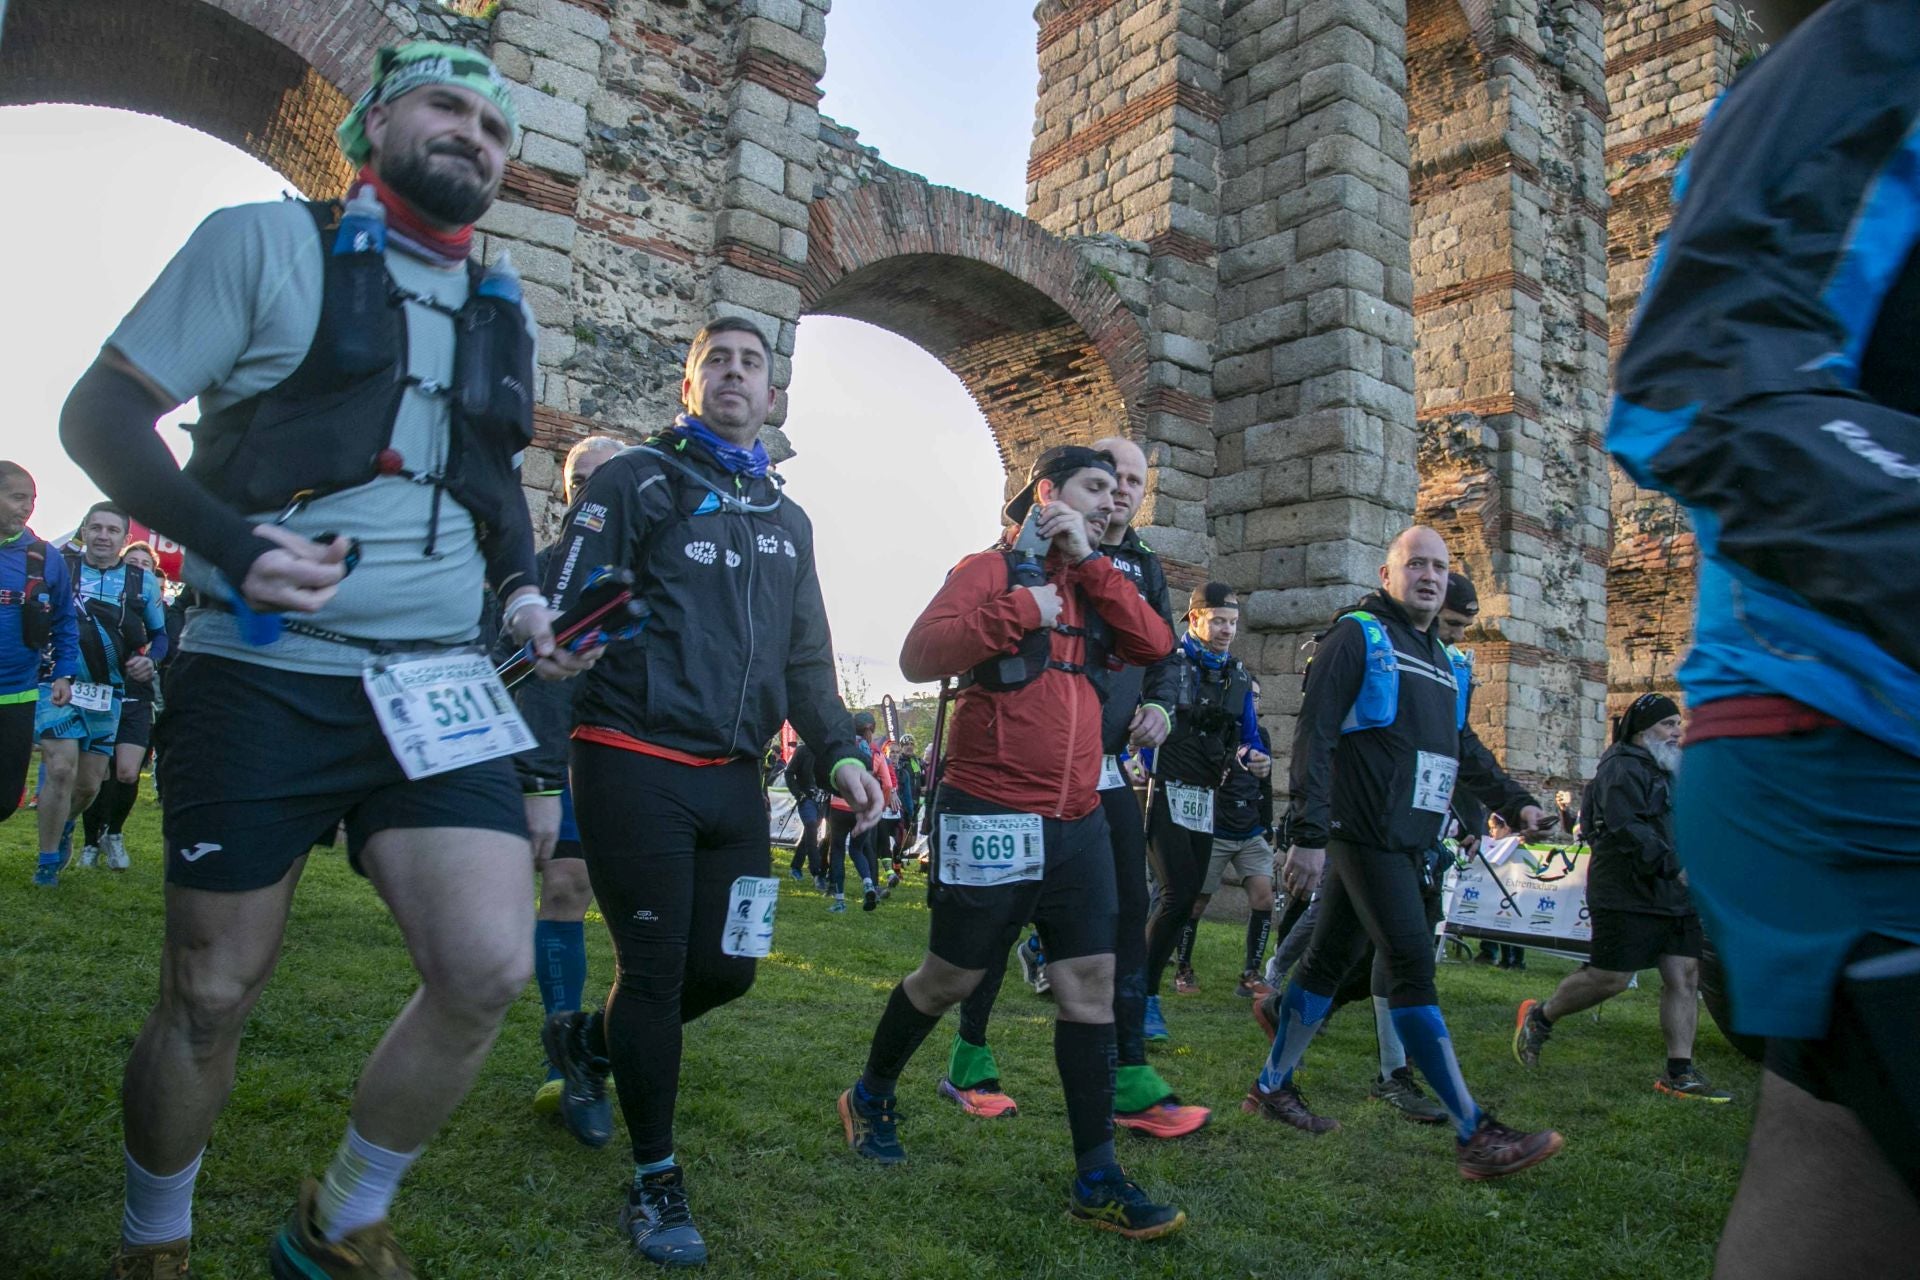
{"type": "Point", "coordinates": [1770, 384]}
{"type": "Point", "coordinates": [36, 613]}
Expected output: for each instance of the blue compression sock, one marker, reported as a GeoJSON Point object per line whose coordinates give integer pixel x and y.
{"type": "Point", "coordinates": [1424, 1032]}
{"type": "Point", "coordinates": [1301, 1013]}
{"type": "Point", "coordinates": [560, 966]}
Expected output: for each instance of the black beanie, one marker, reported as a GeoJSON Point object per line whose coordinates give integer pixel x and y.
{"type": "Point", "coordinates": [1647, 710]}
{"type": "Point", "coordinates": [1461, 597]}
{"type": "Point", "coordinates": [1212, 595]}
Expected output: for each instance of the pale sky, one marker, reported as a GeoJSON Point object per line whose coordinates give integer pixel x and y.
{"type": "Point", "coordinates": [896, 466]}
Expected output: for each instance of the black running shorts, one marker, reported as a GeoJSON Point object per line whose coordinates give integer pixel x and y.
{"type": "Point", "coordinates": [1629, 941]}
{"type": "Point", "coordinates": [136, 724]}
{"type": "Point", "coordinates": [259, 765]}
{"type": "Point", "coordinates": [1073, 904]}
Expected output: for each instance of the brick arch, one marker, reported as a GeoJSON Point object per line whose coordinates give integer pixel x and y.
{"type": "Point", "coordinates": [271, 77]}
{"type": "Point", "coordinates": [1039, 337]}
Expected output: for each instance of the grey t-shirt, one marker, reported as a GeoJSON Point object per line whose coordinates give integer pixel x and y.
{"type": "Point", "coordinates": [231, 316]}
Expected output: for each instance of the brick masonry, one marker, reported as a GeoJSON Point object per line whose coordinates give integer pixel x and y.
{"type": "Point", "coordinates": [1334, 263]}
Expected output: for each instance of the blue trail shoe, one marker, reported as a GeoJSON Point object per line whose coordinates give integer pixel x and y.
{"type": "Point", "coordinates": [1155, 1026]}
{"type": "Point", "coordinates": [46, 873]}
{"type": "Point", "coordinates": [585, 1110]}
{"type": "Point", "coordinates": [659, 1222]}
{"type": "Point", "coordinates": [872, 1127]}
{"type": "Point", "coordinates": [1110, 1201]}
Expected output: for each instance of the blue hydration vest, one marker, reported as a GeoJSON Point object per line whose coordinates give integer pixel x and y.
{"type": "Point", "coordinates": [1379, 700]}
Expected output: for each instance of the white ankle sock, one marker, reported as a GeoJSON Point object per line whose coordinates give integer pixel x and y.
{"type": "Point", "coordinates": [359, 1185]}
{"type": "Point", "coordinates": [159, 1206]}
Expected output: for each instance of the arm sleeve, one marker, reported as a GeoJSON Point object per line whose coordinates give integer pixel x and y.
{"type": "Point", "coordinates": [970, 619]}
{"type": "Point", "coordinates": [1140, 635]}
{"type": "Point", "coordinates": [814, 705]}
{"type": "Point", "coordinates": [1333, 682]}
{"type": "Point", "coordinates": [154, 614]}
{"type": "Point", "coordinates": [1162, 683]}
{"type": "Point", "coordinates": [66, 628]}
{"type": "Point", "coordinates": [1488, 782]}
{"type": "Point", "coordinates": [1250, 738]}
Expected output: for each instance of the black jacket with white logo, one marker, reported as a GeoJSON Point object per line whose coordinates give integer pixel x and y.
{"type": "Point", "coordinates": [1123, 691]}
{"type": "Point", "coordinates": [1360, 787]}
{"type": "Point", "coordinates": [736, 639]}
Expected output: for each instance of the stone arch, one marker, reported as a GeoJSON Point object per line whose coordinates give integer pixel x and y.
{"type": "Point", "coordinates": [1037, 334]}
{"type": "Point", "coordinates": [271, 77]}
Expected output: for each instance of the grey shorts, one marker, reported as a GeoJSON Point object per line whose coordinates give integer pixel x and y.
{"type": "Point", "coordinates": [1252, 856]}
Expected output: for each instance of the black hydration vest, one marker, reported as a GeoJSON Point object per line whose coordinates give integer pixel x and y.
{"type": "Point", "coordinates": [36, 599]}
{"type": "Point", "coordinates": [327, 425]}
{"type": "Point", "coordinates": [1023, 666]}
{"type": "Point", "coordinates": [125, 619]}
{"type": "Point", "coordinates": [1212, 700]}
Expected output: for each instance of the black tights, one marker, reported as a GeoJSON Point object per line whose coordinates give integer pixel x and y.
{"type": "Point", "coordinates": [664, 843]}
{"type": "Point", "coordinates": [16, 754]}
{"type": "Point", "coordinates": [843, 844]}
{"type": "Point", "coordinates": [1372, 894]}
{"type": "Point", "coordinates": [1179, 858]}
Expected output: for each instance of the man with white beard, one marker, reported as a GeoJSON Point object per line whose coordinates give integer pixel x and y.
{"type": "Point", "coordinates": [1637, 896]}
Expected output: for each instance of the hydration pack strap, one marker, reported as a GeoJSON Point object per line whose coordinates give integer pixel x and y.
{"type": "Point", "coordinates": [728, 501]}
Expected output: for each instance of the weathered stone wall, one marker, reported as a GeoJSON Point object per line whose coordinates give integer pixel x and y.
{"type": "Point", "coordinates": [1667, 60]}
{"type": "Point", "coordinates": [1510, 357]}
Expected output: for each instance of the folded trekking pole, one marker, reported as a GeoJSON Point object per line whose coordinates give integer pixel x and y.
{"type": "Point", "coordinates": [939, 763]}
{"type": "Point", "coordinates": [606, 611]}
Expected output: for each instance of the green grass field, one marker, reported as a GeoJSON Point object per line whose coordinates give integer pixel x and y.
{"type": "Point", "coordinates": [1639, 1192]}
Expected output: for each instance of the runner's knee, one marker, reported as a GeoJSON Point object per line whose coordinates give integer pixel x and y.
{"type": "Point", "coordinates": [485, 979]}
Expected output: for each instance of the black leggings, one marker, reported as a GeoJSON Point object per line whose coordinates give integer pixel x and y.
{"type": "Point", "coordinates": [842, 844]}
{"type": "Point", "coordinates": [1370, 894]}
{"type": "Point", "coordinates": [664, 843]}
{"type": "Point", "coordinates": [16, 754]}
{"type": "Point", "coordinates": [1129, 842]}
{"type": "Point", "coordinates": [1179, 859]}
{"type": "Point", "coordinates": [807, 852]}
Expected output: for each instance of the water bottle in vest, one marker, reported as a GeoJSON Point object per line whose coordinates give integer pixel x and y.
{"type": "Point", "coordinates": [362, 348]}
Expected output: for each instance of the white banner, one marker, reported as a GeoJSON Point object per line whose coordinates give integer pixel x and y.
{"type": "Point", "coordinates": [783, 814]}
{"type": "Point", "coordinates": [1550, 909]}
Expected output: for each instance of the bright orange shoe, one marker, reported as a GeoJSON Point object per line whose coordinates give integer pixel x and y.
{"type": "Point", "coordinates": [1169, 1119]}
{"type": "Point", "coordinates": [985, 1103]}
{"type": "Point", "coordinates": [1185, 982]}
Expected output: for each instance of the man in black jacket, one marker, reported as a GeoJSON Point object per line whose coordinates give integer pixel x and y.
{"type": "Point", "coordinates": [1637, 897]}
{"type": "Point", "coordinates": [670, 727]}
{"type": "Point", "coordinates": [1376, 753]}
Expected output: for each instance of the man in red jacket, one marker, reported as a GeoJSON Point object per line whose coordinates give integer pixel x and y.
{"type": "Point", "coordinates": [1022, 632]}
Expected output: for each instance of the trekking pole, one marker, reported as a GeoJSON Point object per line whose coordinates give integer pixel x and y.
{"type": "Point", "coordinates": [939, 765]}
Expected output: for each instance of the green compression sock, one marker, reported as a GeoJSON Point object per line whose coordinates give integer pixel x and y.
{"type": "Point", "coordinates": [1137, 1088]}
{"type": "Point", "coordinates": [971, 1065]}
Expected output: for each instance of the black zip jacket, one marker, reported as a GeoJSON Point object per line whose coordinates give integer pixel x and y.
{"type": "Point", "coordinates": [1206, 731]}
{"type": "Point", "coordinates": [1359, 787]}
{"type": "Point", "coordinates": [1244, 806]}
{"type": "Point", "coordinates": [1627, 815]}
{"type": "Point", "coordinates": [1122, 691]}
{"type": "Point", "coordinates": [736, 639]}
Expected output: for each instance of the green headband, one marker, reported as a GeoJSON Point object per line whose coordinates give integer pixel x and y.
{"type": "Point", "coordinates": [414, 66]}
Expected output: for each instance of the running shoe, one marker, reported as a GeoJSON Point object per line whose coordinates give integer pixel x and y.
{"type": "Point", "coordinates": [798, 873]}
{"type": "Point", "coordinates": [1403, 1093]}
{"type": "Point", "coordinates": [1287, 1105]}
{"type": "Point", "coordinates": [820, 884]}
{"type": "Point", "coordinates": [981, 1100]}
{"type": "Point", "coordinates": [1530, 1032]}
{"type": "Point", "coordinates": [1184, 981]}
{"type": "Point", "coordinates": [838, 904]}
{"type": "Point", "coordinates": [872, 1127]}
{"type": "Point", "coordinates": [150, 1261]}
{"type": "Point", "coordinates": [114, 845]}
{"type": "Point", "coordinates": [1155, 1026]}
{"type": "Point", "coordinates": [299, 1252]}
{"type": "Point", "coordinates": [659, 1222]}
{"type": "Point", "coordinates": [893, 877]}
{"type": "Point", "coordinates": [90, 855]}
{"type": "Point", "coordinates": [1691, 1084]}
{"type": "Point", "coordinates": [1251, 987]}
{"type": "Point", "coordinates": [1486, 958]}
{"type": "Point", "coordinates": [1111, 1201]}
{"type": "Point", "coordinates": [1266, 1012]}
{"type": "Point", "coordinates": [46, 873]}
{"type": "Point", "coordinates": [66, 846]}
{"type": "Point", "coordinates": [1166, 1119]}
{"type": "Point", "coordinates": [546, 1099]}
{"type": "Point", "coordinates": [1033, 964]}
{"type": "Point", "coordinates": [870, 897]}
{"type": "Point", "coordinates": [1495, 1150]}
{"type": "Point", "coordinates": [585, 1109]}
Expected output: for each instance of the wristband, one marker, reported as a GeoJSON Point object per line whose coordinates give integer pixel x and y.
{"type": "Point", "coordinates": [518, 603]}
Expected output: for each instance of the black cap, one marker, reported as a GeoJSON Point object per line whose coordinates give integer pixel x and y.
{"type": "Point", "coordinates": [1212, 595]}
{"type": "Point", "coordinates": [1056, 464]}
{"type": "Point", "coordinates": [1461, 597]}
{"type": "Point", "coordinates": [862, 721]}
{"type": "Point", "coordinates": [1648, 709]}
